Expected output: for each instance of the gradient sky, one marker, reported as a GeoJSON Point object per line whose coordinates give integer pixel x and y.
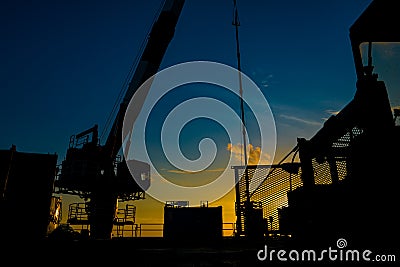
{"type": "Point", "coordinates": [63, 64]}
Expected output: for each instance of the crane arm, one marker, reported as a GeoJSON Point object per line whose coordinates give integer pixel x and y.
{"type": "Point", "coordinates": [160, 36]}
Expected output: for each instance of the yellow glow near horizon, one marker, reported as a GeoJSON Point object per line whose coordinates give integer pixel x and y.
{"type": "Point", "coordinates": [151, 211]}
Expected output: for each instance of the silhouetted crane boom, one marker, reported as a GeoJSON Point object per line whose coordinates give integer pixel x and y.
{"type": "Point", "coordinates": [90, 169]}
{"type": "Point", "coordinates": [160, 36]}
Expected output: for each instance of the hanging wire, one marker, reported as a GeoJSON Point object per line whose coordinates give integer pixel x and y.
{"type": "Point", "coordinates": [129, 76]}
{"type": "Point", "coordinates": [290, 173]}
{"type": "Point", "coordinates": [294, 150]}
{"type": "Point", "coordinates": [236, 23]}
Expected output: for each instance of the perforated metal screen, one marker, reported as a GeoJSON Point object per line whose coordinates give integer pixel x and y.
{"type": "Point", "coordinates": [269, 184]}
{"type": "Point", "coordinates": [274, 182]}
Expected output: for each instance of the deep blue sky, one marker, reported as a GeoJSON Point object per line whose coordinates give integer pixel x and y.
{"type": "Point", "coordinates": [64, 62]}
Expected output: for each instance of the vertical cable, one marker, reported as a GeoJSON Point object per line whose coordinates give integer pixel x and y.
{"type": "Point", "coordinates": [236, 23]}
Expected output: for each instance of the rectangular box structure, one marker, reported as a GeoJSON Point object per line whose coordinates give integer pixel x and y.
{"type": "Point", "coordinates": [192, 224]}
{"type": "Point", "coordinates": [26, 181]}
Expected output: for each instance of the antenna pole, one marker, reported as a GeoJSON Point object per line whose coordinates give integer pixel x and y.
{"type": "Point", "coordinates": [236, 23]}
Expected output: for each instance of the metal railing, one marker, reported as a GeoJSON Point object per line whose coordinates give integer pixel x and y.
{"type": "Point", "coordinates": [231, 228]}
{"type": "Point", "coordinates": [151, 227]}
{"type": "Point", "coordinates": [228, 228]}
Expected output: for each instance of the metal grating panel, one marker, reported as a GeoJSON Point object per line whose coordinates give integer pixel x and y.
{"type": "Point", "coordinates": [322, 173]}
{"type": "Point", "coordinates": [275, 181]}
{"type": "Point", "coordinates": [339, 154]}
{"type": "Point", "coordinates": [274, 184]}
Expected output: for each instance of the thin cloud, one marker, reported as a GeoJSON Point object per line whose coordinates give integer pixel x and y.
{"type": "Point", "coordinates": [156, 178]}
{"type": "Point", "coordinates": [263, 77]}
{"type": "Point", "coordinates": [264, 83]}
{"type": "Point", "coordinates": [194, 172]}
{"type": "Point", "coordinates": [181, 172]}
{"type": "Point", "coordinates": [395, 107]}
{"type": "Point", "coordinates": [332, 112]}
{"type": "Point", "coordinates": [309, 122]}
